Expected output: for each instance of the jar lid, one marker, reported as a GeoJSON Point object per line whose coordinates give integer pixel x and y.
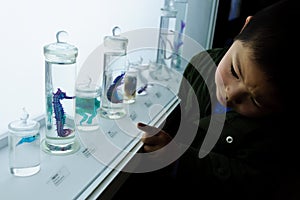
{"type": "Point", "coordinates": [169, 8]}
{"type": "Point", "coordinates": [61, 51]}
{"type": "Point", "coordinates": [24, 126]}
{"type": "Point", "coordinates": [89, 89]}
{"type": "Point", "coordinates": [116, 41]}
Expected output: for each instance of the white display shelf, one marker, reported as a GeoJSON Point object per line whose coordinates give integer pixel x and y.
{"type": "Point", "coordinates": [88, 172]}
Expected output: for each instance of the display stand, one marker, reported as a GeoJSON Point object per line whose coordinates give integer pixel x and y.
{"type": "Point", "coordinates": [84, 175]}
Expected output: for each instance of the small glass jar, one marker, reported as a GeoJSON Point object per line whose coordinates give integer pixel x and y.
{"type": "Point", "coordinates": [24, 147]}
{"type": "Point", "coordinates": [87, 105]}
{"type": "Point", "coordinates": [130, 85]}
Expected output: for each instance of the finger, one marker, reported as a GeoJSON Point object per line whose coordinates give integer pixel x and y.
{"type": "Point", "coordinates": [152, 140]}
{"type": "Point", "coordinates": [148, 129]}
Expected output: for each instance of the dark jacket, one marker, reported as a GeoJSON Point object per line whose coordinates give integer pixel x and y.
{"type": "Point", "coordinates": [244, 162]}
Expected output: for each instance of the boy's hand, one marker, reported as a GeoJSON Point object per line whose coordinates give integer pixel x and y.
{"type": "Point", "coordinates": [153, 138]}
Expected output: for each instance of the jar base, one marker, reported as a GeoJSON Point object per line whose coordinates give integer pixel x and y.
{"type": "Point", "coordinates": [112, 113]}
{"type": "Point", "coordinates": [61, 149]}
{"type": "Point", "coordinates": [25, 171]}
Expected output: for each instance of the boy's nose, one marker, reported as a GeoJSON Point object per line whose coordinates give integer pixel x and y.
{"type": "Point", "coordinates": [235, 94]}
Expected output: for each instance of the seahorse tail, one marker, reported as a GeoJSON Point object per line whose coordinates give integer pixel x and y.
{"type": "Point", "coordinates": [67, 132]}
{"type": "Point", "coordinates": [60, 128]}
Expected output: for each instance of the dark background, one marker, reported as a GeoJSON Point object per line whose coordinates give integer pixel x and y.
{"type": "Point", "coordinates": [225, 29]}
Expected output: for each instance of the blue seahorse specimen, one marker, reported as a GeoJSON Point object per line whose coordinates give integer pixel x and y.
{"type": "Point", "coordinates": [59, 113]}
{"type": "Point", "coordinates": [27, 139]}
{"type": "Point", "coordinates": [179, 41]}
{"type": "Point", "coordinates": [112, 92]}
{"type": "Point", "coordinates": [176, 60]}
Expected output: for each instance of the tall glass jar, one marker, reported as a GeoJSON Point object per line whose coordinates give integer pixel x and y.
{"type": "Point", "coordinates": [60, 77]}
{"type": "Point", "coordinates": [115, 52]}
{"type": "Point", "coordinates": [167, 30]}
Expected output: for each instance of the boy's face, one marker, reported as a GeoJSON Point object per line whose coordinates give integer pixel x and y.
{"type": "Point", "coordinates": [241, 85]}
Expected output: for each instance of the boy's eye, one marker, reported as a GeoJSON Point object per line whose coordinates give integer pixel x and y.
{"type": "Point", "coordinates": [233, 72]}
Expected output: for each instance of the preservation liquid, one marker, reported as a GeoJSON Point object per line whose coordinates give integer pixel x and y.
{"type": "Point", "coordinates": [60, 72]}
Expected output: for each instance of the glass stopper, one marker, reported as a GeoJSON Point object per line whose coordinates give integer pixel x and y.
{"type": "Point", "coordinates": [24, 116]}
{"type": "Point", "coordinates": [61, 36]}
{"type": "Point", "coordinates": [116, 31]}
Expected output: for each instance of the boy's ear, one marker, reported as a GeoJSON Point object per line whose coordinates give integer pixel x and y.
{"type": "Point", "coordinates": [246, 22]}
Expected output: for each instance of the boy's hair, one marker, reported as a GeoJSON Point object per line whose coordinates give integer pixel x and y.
{"type": "Point", "coordinates": [270, 34]}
